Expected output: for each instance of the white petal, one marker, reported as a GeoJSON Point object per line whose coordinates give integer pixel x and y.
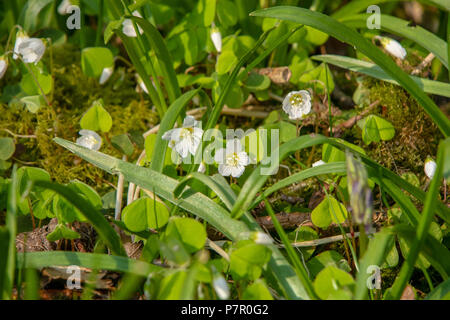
{"type": "Point", "coordinates": [106, 74]}
{"type": "Point", "coordinates": [31, 50]}
{"type": "Point", "coordinates": [3, 67]}
{"type": "Point", "coordinates": [64, 5]}
{"type": "Point", "coordinates": [243, 158]}
{"type": "Point", "coordinates": [221, 287]}
{"type": "Point", "coordinates": [189, 122]}
{"type": "Point", "coordinates": [201, 167]}
{"type": "Point", "coordinates": [20, 37]}
{"type": "Point", "coordinates": [224, 170]}
{"type": "Point", "coordinates": [237, 171]}
{"type": "Point", "coordinates": [233, 145]}
{"type": "Point", "coordinates": [318, 163]}
{"type": "Point", "coordinates": [219, 156]}
{"type": "Point", "coordinates": [167, 135]}
{"type": "Point", "coordinates": [430, 168]}
{"type": "Point", "coordinates": [182, 147]}
{"type": "Point", "coordinates": [216, 38]}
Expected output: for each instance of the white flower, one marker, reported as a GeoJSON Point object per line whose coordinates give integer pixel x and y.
{"type": "Point", "coordinates": [232, 160]}
{"type": "Point", "coordinates": [393, 47]}
{"type": "Point", "coordinates": [31, 50]}
{"type": "Point", "coordinates": [216, 38]}
{"type": "Point", "coordinates": [297, 104]}
{"type": "Point", "coordinates": [318, 163]}
{"type": "Point", "coordinates": [20, 37]}
{"type": "Point", "coordinates": [185, 140]}
{"type": "Point", "coordinates": [3, 66]}
{"type": "Point", "coordinates": [63, 7]}
{"type": "Point", "coordinates": [89, 139]}
{"type": "Point", "coordinates": [106, 74]}
{"type": "Point", "coordinates": [430, 168]}
{"type": "Point", "coordinates": [202, 167]}
{"type": "Point", "coordinates": [220, 285]}
{"type": "Point", "coordinates": [261, 238]}
{"type": "Point", "coordinates": [141, 84]}
{"type": "Point", "coordinates": [128, 26]}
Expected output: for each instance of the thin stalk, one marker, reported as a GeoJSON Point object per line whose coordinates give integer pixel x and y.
{"type": "Point", "coordinates": [298, 266]}
{"type": "Point", "coordinates": [329, 101]}
{"type": "Point", "coordinates": [422, 229]}
{"type": "Point", "coordinates": [428, 278]}
{"type": "Point", "coordinates": [99, 23]}
{"type": "Point", "coordinates": [37, 83]}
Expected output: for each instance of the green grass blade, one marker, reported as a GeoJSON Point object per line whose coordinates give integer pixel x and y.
{"type": "Point", "coordinates": [329, 168]}
{"type": "Point", "coordinates": [424, 225]}
{"type": "Point", "coordinates": [208, 181]}
{"type": "Point", "coordinates": [11, 226]}
{"type": "Point", "coordinates": [256, 180]}
{"type": "Point", "coordinates": [164, 59]}
{"type": "Point", "coordinates": [38, 260]}
{"type": "Point", "coordinates": [135, 55]}
{"type": "Point", "coordinates": [357, 6]}
{"type": "Point", "coordinates": [295, 260]}
{"type": "Point", "coordinates": [99, 222]}
{"type": "Point", "coordinates": [375, 254]}
{"type": "Point", "coordinates": [372, 70]}
{"type": "Point", "coordinates": [401, 27]}
{"type": "Point", "coordinates": [195, 203]}
{"type": "Point", "coordinates": [441, 292]}
{"type": "Point", "coordinates": [168, 123]}
{"type": "Point", "coordinates": [4, 251]}
{"type": "Point", "coordinates": [343, 33]}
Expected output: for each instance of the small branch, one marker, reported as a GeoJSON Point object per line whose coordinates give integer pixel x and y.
{"type": "Point", "coordinates": [19, 135]}
{"type": "Point", "coordinates": [423, 64]}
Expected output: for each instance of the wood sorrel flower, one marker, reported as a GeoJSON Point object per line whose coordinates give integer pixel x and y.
{"type": "Point", "coordinates": [297, 104]}
{"type": "Point", "coordinates": [216, 38]}
{"type": "Point", "coordinates": [220, 285]}
{"type": "Point", "coordinates": [63, 7]}
{"type": "Point", "coordinates": [318, 163]}
{"type": "Point", "coordinates": [393, 47]}
{"type": "Point", "coordinates": [185, 140]}
{"type": "Point", "coordinates": [106, 74]}
{"type": "Point", "coordinates": [430, 168]}
{"type": "Point", "coordinates": [31, 50]}
{"type": "Point", "coordinates": [232, 160]}
{"type": "Point", "coordinates": [89, 139]}
{"type": "Point", "coordinates": [359, 191]}
{"type": "Point", "coordinates": [20, 37]}
{"type": "Point", "coordinates": [3, 65]}
{"type": "Point", "coordinates": [128, 26]}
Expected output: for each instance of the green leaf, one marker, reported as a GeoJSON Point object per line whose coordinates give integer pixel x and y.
{"type": "Point", "coordinates": [375, 128]}
{"type": "Point", "coordinates": [62, 232]}
{"type": "Point", "coordinates": [315, 36]}
{"type": "Point", "coordinates": [257, 82]}
{"type": "Point", "coordinates": [123, 143]}
{"type": "Point", "coordinates": [7, 148]}
{"type": "Point", "coordinates": [145, 213]}
{"type": "Point", "coordinates": [326, 259]}
{"type": "Point", "coordinates": [99, 222]}
{"type": "Point", "coordinates": [189, 41]}
{"type": "Point", "coordinates": [328, 211]}
{"type": "Point", "coordinates": [33, 103]}
{"type": "Point", "coordinates": [441, 292]}
{"type": "Point", "coordinates": [189, 231]}
{"type": "Point", "coordinates": [29, 86]}
{"type": "Point", "coordinates": [343, 33]}
{"type": "Point", "coordinates": [225, 62]}
{"type": "Point", "coordinates": [371, 69]}
{"type": "Point", "coordinates": [333, 154]}
{"type": "Point", "coordinates": [96, 118]}
{"type": "Point", "coordinates": [330, 280]}
{"type": "Point", "coordinates": [177, 286]}
{"type": "Point", "coordinates": [95, 59]}
{"type": "Point", "coordinates": [227, 13]}
{"type": "Point", "coordinates": [317, 78]}
{"type": "Point", "coordinates": [247, 261]}
{"type": "Point", "coordinates": [257, 291]}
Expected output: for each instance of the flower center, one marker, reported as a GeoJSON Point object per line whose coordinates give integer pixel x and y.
{"type": "Point", "coordinates": [296, 100]}
{"type": "Point", "coordinates": [232, 159]}
{"type": "Point", "coordinates": [186, 133]}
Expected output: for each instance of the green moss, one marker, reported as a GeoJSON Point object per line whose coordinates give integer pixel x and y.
{"type": "Point", "coordinates": [73, 94]}
{"type": "Point", "coordinates": [416, 135]}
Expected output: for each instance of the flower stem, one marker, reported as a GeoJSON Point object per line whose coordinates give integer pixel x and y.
{"type": "Point", "coordinates": [38, 84]}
